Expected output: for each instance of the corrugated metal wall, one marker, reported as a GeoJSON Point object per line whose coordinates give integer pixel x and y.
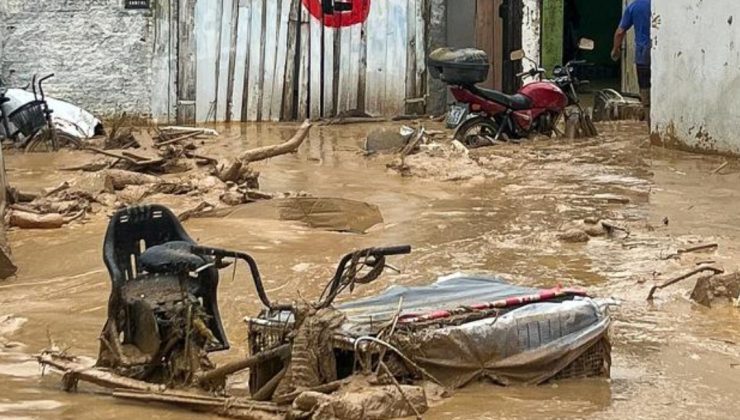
{"type": "Point", "coordinates": [270, 60]}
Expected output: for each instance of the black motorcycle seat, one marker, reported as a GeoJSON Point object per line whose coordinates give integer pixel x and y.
{"type": "Point", "coordinates": [516, 102]}
{"type": "Point", "coordinates": [170, 257]}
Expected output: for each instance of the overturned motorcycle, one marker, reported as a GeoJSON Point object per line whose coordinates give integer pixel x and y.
{"type": "Point", "coordinates": [164, 321]}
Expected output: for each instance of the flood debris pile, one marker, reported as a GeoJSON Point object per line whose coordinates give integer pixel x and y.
{"type": "Point", "coordinates": [50, 209]}
{"type": "Point", "coordinates": [140, 164]}
{"type": "Point", "coordinates": [419, 153]}
{"type": "Point", "coordinates": [590, 227]}
{"type": "Point", "coordinates": [385, 356]}
{"type": "Point", "coordinates": [717, 289]}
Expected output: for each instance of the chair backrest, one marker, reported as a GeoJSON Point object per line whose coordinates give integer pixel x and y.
{"type": "Point", "coordinates": [134, 229]}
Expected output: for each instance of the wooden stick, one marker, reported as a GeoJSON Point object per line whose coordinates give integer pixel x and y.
{"type": "Point", "coordinates": [268, 389]}
{"type": "Point", "coordinates": [75, 216]}
{"type": "Point", "coordinates": [210, 404]}
{"type": "Point", "coordinates": [220, 373]}
{"type": "Point", "coordinates": [63, 186]}
{"type": "Point", "coordinates": [400, 390]}
{"type": "Point", "coordinates": [697, 248]}
{"type": "Point", "coordinates": [412, 144]}
{"type": "Point", "coordinates": [390, 333]}
{"type": "Point", "coordinates": [266, 152]}
{"type": "Point", "coordinates": [611, 228]}
{"type": "Point", "coordinates": [179, 139]}
{"type": "Point", "coordinates": [722, 166]}
{"type": "Point", "coordinates": [208, 131]}
{"type": "Point", "coordinates": [94, 375]}
{"type": "Point", "coordinates": [141, 159]}
{"type": "Point", "coordinates": [20, 207]}
{"type": "Point", "coordinates": [715, 270]}
{"type": "Point", "coordinates": [208, 159]}
{"type": "Point", "coordinates": [352, 120]}
{"type": "Point", "coordinates": [111, 154]}
{"type": "Point", "coordinates": [187, 214]}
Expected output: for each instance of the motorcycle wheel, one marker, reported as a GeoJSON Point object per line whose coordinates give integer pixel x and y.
{"type": "Point", "coordinates": [478, 132]}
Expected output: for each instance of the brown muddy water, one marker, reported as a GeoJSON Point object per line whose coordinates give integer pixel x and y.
{"type": "Point", "coordinates": [671, 359]}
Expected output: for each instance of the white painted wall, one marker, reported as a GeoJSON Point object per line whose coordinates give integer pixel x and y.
{"type": "Point", "coordinates": [531, 28]}
{"type": "Point", "coordinates": [100, 53]}
{"type": "Point", "coordinates": [696, 74]}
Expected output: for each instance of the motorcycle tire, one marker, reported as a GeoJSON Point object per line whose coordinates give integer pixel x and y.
{"type": "Point", "coordinates": [465, 132]}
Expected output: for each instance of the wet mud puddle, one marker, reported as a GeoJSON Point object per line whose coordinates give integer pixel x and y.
{"type": "Point", "coordinates": [671, 359]}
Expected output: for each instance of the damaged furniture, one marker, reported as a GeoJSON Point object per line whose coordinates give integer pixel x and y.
{"type": "Point", "coordinates": [155, 279]}
{"type": "Point", "coordinates": [312, 359]}
{"type": "Point", "coordinates": [461, 329]}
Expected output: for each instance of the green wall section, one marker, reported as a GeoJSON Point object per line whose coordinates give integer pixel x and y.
{"type": "Point", "coordinates": [552, 33]}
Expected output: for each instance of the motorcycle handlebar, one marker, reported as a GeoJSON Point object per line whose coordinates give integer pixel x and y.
{"type": "Point", "coordinates": [253, 269]}
{"type": "Point", "coordinates": [393, 250]}
{"type": "Point", "coordinates": [48, 76]}
{"type": "Point", "coordinates": [532, 72]}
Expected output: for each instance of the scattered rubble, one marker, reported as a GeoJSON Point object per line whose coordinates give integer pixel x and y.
{"type": "Point", "coordinates": [675, 280]}
{"type": "Point", "coordinates": [717, 289]}
{"type": "Point", "coordinates": [574, 236]}
{"type": "Point", "coordinates": [138, 165]}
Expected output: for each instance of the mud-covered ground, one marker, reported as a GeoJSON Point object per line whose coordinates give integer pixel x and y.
{"type": "Point", "coordinates": [502, 214]}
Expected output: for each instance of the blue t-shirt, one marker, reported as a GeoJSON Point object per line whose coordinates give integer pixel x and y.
{"type": "Point", "coordinates": [637, 14]}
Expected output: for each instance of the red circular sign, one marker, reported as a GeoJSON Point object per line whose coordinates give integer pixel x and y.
{"type": "Point", "coordinates": [338, 13]}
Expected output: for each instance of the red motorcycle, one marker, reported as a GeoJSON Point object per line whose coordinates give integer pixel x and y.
{"type": "Point", "coordinates": [484, 117]}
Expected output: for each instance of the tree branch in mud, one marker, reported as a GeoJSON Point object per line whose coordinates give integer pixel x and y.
{"type": "Point", "coordinates": [179, 139]}
{"type": "Point", "coordinates": [200, 208]}
{"type": "Point", "coordinates": [290, 146]}
{"type": "Point", "coordinates": [118, 179]}
{"type": "Point", "coordinates": [28, 220]}
{"type": "Point", "coordinates": [228, 407]}
{"type": "Point", "coordinates": [218, 374]}
{"type": "Point", "coordinates": [694, 272]}
{"type": "Point", "coordinates": [76, 371]}
{"type": "Point", "coordinates": [400, 390]}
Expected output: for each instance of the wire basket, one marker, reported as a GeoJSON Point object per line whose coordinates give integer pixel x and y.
{"type": "Point", "coordinates": [596, 361]}
{"type": "Point", "coordinates": [29, 119]}
{"type": "Point", "coordinates": [264, 335]}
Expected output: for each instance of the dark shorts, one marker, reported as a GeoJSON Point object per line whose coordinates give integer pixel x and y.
{"type": "Point", "coordinates": [643, 76]}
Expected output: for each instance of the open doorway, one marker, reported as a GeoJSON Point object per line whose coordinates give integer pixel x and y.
{"type": "Point", "coordinates": [596, 20]}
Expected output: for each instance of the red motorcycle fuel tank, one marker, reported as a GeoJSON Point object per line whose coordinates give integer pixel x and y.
{"type": "Point", "coordinates": [545, 95]}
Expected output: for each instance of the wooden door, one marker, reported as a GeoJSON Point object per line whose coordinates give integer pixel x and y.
{"type": "Point", "coordinates": [512, 14]}
{"type": "Point", "coordinates": [489, 38]}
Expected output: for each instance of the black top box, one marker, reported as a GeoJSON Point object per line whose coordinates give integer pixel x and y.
{"type": "Point", "coordinates": [466, 66]}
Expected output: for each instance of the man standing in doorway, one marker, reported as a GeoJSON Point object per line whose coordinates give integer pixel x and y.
{"type": "Point", "coordinates": [637, 15]}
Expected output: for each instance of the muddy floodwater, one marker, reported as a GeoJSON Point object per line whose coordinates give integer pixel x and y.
{"type": "Point", "coordinates": [671, 358]}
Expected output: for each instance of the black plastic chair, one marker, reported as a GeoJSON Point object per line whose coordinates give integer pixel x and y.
{"type": "Point", "coordinates": [133, 230]}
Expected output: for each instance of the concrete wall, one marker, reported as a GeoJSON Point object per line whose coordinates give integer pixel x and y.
{"type": "Point", "coordinates": [100, 53]}
{"type": "Point", "coordinates": [531, 24]}
{"type": "Point", "coordinates": [3, 20]}
{"type": "Point", "coordinates": [437, 102]}
{"type": "Point", "coordinates": [696, 74]}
